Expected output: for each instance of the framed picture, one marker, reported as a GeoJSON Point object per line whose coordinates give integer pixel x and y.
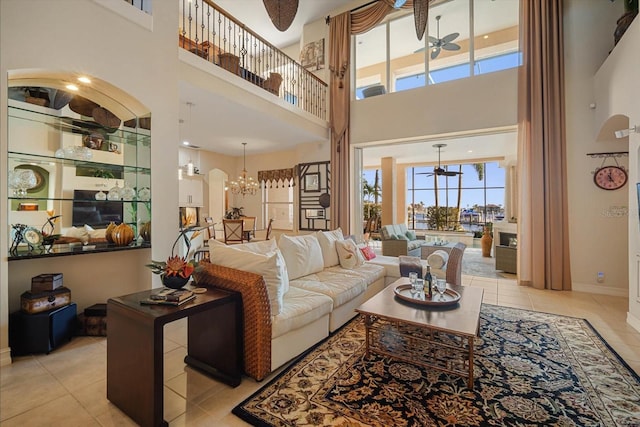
{"type": "Point", "coordinates": [312, 55]}
{"type": "Point", "coordinates": [314, 213]}
{"type": "Point", "coordinates": [312, 182]}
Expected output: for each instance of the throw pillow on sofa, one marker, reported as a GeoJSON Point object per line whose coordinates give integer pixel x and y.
{"type": "Point", "coordinates": [302, 255]}
{"type": "Point", "coordinates": [401, 237]}
{"type": "Point", "coordinates": [349, 254]}
{"type": "Point", "coordinates": [327, 240]}
{"type": "Point", "coordinates": [438, 259]}
{"type": "Point", "coordinates": [368, 253]}
{"type": "Point", "coordinates": [270, 266]}
{"type": "Point", "coordinates": [411, 235]}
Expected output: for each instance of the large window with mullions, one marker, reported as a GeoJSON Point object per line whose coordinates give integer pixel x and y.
{"type": "Point", "coordinates": [465, 201]}
{"type": "Point", "coordinates": [464, 38]}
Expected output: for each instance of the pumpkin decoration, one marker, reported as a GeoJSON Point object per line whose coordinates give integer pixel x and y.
{"type": "Point", "coordinates": [108, 234]}
{"type": "Point", "coordinates": [145, 231]}
{"type": "Point", "coordinates": [122, 235]}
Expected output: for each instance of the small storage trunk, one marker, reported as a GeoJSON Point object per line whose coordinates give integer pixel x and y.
{"type": "Point", "coordinates": [46, 282]}
{"type": "Point", "coordinates": [42, 332]}
{"type": "Point", "coordinates": [42, 301]}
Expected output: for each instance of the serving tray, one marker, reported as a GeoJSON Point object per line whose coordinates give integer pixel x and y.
{"type": "Point", "coordinates": [449, 297]}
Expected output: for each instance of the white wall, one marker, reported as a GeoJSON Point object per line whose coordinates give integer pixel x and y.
{"type": "Point", "coordinates": [617, 92]}
{"type": "Point", "coordinates": [598, 241]}
{"type": "Point", "coordinates": [480, 102]}
{"type": "Point", "coordinates": [68, 35]}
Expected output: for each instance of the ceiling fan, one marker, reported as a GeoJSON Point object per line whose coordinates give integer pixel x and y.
{"type": "Point", "coordinates": [439, 171]}
{"type": "Point", "coordinates": [437, 43]}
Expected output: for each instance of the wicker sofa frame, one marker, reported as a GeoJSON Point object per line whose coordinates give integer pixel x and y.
{"type": "Point", "coordinates": [256, 311]}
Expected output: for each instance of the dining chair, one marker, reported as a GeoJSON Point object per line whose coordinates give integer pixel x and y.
{"type": "Point", "coordinates": [269, 229]}
{"type": "Point", "coordinates": [249, 227]}
{"type": "Point", "coordinates": [233, 230]}
{"type": "Point", "coordinates": [210, 231]}
{"type": "Point", "coordinates": [267, 233]}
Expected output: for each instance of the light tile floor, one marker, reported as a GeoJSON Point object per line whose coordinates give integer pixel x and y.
{"type": "Point", "coordinates": [68, 386]}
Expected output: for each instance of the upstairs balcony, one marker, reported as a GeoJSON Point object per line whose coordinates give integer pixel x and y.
{"type": "Point", "coordinates": [211, 33]}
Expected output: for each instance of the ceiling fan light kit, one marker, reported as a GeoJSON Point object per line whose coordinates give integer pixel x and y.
{"type": "Point", "coordinates": [446, 43]}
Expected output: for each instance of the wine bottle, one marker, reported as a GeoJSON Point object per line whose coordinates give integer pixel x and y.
{"type": "Point", "coordinates": [428, 283]}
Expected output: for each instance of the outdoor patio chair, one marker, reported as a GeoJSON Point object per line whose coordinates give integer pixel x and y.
{"type": "Point", "coordinates": [454, 264]}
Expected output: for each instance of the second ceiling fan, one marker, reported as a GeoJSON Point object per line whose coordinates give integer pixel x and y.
{"type": "Point", "coordinates": [439, 171]}
{"type": "Point", "coordinates": [436, 44]}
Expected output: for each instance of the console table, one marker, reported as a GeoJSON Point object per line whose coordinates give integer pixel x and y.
{"type": "Point", "coordinates": [135, 377]}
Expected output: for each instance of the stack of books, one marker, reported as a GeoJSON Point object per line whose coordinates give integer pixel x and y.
{"type": "Point", "coordinates": [169, 297]}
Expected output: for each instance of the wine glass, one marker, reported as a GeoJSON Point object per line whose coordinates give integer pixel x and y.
{"type": "Point", "coordinates": [413, 277]}
{"type": "Point", "coordinates": [441, 287]}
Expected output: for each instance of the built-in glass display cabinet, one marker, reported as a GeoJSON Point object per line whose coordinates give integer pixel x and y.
{"type": "Point", "coordinates": [71, 176]}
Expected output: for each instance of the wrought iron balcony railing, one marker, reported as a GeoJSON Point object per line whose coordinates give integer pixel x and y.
{"type": "Point", "coordinates": [211, 33]}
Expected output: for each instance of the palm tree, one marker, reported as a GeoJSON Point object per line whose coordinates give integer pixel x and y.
{"type": "Point", "coordinates": [376, 188]}
{"type": "Point", "coordinates": [479, 168]}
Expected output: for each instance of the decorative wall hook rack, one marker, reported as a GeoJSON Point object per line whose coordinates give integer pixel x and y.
{"type": "Point", "coordinates": [609, 154]}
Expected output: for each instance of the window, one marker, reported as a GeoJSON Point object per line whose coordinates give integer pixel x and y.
{"type": "Point", "coordinates": [277, 204]}
{"type": "Point", "coordinates": [463, 201]}
{"type": "Point", "coordinates": [391, 55]}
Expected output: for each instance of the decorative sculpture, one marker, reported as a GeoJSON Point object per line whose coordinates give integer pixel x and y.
{"type": "Point", "coordinates": [281, 12]}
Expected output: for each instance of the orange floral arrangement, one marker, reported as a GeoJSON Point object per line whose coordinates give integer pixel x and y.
{"type": "Point", "coordinates": [176, 266]}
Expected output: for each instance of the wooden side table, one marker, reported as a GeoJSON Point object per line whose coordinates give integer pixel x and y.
{"type": "Point", "coordinates": [135, 378]}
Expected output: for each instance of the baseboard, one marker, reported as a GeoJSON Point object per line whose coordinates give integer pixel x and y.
{"type": "Point", "coordinates": [5, 357]}
{"type": "Point", "coordinates": [633, 321]}
{"type": "Point", "coordinates": [603, 290]}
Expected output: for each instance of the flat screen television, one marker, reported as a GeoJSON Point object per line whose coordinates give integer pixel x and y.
{"type": "Point", "coordinates": [96, 213]}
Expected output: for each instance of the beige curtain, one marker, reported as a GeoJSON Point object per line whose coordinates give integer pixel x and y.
{"type": "Point", "coordinates": [543, 243]}
{"type": "Point", "coordinates": [341, 28]}
{"type": "Point", "coordinates": [339, 92]}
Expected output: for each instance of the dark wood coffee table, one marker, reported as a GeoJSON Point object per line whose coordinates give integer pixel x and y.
{"type": "Point", "coordinates": [135, 377]}
{"type": "Point", "coordinates": [435, 337]}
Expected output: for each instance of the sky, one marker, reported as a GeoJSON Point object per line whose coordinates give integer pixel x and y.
{"type": "Point", "coordinates": [473, 192]}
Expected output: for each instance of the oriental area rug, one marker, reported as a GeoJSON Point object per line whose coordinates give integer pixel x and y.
{"type": "Point", "coordinates": [531, 369]}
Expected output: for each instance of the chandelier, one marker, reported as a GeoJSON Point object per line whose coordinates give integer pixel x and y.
{"type": "Point", "coordinates": [244, 185]}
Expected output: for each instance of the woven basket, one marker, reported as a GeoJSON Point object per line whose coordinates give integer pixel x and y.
{"type": "Point", "coordinates": [37, 101]}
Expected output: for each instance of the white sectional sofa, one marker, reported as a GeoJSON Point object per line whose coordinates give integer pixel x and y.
{"type": "Point", "coordinates": [294, 293]}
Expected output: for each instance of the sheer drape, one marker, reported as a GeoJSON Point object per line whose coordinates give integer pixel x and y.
{"type": "Point", "coordinates": [340, 29]}
{"type": "Point", "coordinates": [543, 243]}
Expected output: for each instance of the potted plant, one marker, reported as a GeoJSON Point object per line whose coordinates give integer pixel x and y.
{"type": "Point", "coordinates": [176, 271]}
{"type": "Point", "coordinates": [234, 213]}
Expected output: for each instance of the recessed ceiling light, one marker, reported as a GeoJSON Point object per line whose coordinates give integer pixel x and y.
{"type": "Point", "coordinates": [486, 36]}
{"type": "Point", "coordinates": [84, 79]}
{"type": "Point", "coordinates": [71, 87]}
{"type": "Point", "coordinates": [185, 143]}
{"type": "Point", "coordinates": [470, 151]}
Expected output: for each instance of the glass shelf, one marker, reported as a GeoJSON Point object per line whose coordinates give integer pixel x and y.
{"type": "Point", "coordinates": [43, 140]}
{"type": "Point", "coordinates": [73, 249]}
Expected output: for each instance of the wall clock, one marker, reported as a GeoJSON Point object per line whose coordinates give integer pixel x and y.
{"type": "Point", "coordinates": [610, 177]}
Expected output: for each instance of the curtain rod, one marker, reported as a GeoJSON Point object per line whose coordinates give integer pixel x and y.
{"type": "Point", "coordinates": [328, 18]}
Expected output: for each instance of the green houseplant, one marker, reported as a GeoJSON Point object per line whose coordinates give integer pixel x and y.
{"type": "Point", "coordinates": [234, 213]}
